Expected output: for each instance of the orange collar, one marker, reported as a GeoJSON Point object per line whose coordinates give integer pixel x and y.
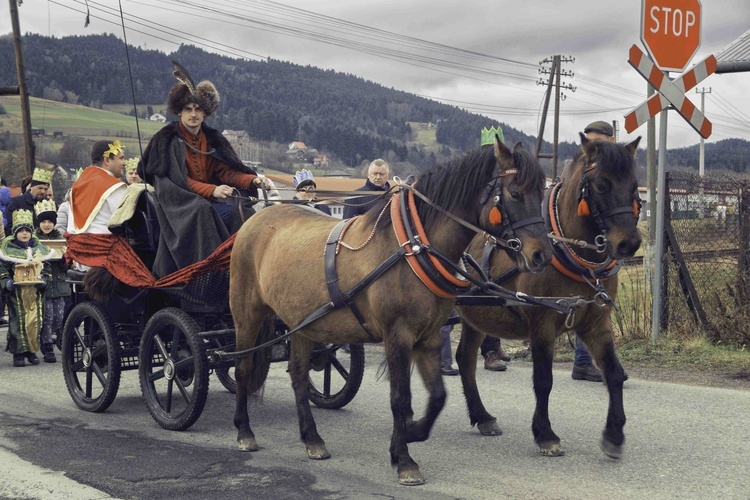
{"type": "Point", "coordinates": [569, 251]}
{"type": "Point", "coordinates": [411, 258]}
{"type": "Point", "coordinates": [89, 193]}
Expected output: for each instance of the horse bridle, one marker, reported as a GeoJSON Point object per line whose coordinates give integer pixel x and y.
{"type": "Point", "coordinates": [600, 218]}
{"type": "Point", "coordinates": [509, 227]}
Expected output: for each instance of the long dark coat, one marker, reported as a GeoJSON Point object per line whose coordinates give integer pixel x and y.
{"type": "Point", "coordinates": [190, 227]}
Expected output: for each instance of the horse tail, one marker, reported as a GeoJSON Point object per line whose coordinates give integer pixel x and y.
{"type": "Point", "coordinates": [100, 284]}
{"type": "Point", "coordinates": [261, 360]}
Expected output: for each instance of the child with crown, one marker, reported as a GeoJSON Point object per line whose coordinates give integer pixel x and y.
{"type": "Point", "coordinates": [57, 292]}
{"type": "Point", "coordinates": [24, 274]}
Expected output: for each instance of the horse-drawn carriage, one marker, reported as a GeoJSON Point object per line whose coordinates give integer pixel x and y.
{"type": "Point", "coordinates": [166, 334]}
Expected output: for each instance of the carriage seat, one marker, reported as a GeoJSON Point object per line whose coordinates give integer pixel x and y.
{"type": "Point", "coordinates": [136, 220]}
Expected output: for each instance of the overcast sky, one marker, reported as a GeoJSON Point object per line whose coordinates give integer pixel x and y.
{"type": "Point", "coordinates": [446, 56]}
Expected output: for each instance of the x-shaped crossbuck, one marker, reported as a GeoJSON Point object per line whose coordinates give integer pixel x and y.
{"type": "Point", "coordinates": [669, 92]}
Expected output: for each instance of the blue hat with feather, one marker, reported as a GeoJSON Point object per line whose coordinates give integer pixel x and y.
{"type": "Point", "coordinates": [303, 178]}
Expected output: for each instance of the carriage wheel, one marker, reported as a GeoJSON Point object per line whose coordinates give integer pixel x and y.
{"type": "Point", "coordinates": [173, 369]}
{"type": "Point", "coordinates": [225, 374]}
{"type": "Point", "coordinates": [90, 357]}
{"type": "Point", "coordinates": [336, 375]}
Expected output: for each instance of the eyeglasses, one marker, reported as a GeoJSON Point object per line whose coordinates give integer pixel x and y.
{"type": "Point", "coordinates": [307, 189]}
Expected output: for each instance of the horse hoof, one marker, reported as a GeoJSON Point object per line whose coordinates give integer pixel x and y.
{"type": "Point", "coordinates": [247, 444]}
{"type": "Point", "coordinates": [551, 450]}
{"type": "Point", "coordinates": [410, 478]}
{"type": "Point", "coordinates": [317, 452]}
{"type": "Point", "coordinates": [611, 449]}
{"type": "Point", "coordinates": [490, 428]}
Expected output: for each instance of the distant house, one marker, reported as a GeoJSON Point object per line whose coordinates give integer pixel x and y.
{"type": "Point", "coordinates": [236, 136]}
{"type": "Point", "coordinates": [297, 146]}
{"type": "Point", "coordinates": [67, 172]}
{"type": "Point", "coordinates": [320, 161]}
{"type": "Point", "coordinates": [57, 134]}
{"type": "Point", "coordinates": [158, 117]}
{"type": "Point", "coordinates": [37, 132]}
{"type": "Point", "coordinates": [338, 173]}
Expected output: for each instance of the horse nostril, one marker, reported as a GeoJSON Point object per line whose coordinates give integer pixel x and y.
{"type": "Point", "coordinates": [627, 249]}
{"type": "Point", "coordinates": [539, 259]}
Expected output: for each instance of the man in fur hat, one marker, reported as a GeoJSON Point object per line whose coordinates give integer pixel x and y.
{"type": "Point", "coordinates": [194, 171]}
{"type": "Point", "coordinates": [40, 183]}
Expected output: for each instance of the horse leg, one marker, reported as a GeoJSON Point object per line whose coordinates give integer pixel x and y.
{"type": "Point", "coordinates": [247, 327]}
{"type": "Point", "coordinates": [427, 359]}
{"type": "Point", "coordinates": [398, 356]}
{"type": "Point", "coordinates": [542, 350]}
{"type": "Point", "coordinates": [466, 357]}
{"type": "Point", "coordinates": [299, 371]}
{"type": "Point", "coordinates": [602, 349]}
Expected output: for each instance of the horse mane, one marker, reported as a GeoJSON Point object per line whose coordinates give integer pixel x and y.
{"type": "Point", "coordinates": [613, 158]}
{"type": "Point", "coordinates": [449, 183]}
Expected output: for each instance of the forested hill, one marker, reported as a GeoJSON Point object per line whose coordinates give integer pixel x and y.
{"type": "Point", "coordinates": [273, 100]}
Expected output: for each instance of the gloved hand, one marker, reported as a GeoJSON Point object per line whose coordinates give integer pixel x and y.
{"type": "Point", "coordinates": [9, 285]}
{"type": "Point", "coordinates": [42, 285]}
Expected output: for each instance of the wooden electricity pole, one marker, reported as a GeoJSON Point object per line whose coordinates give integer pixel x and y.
{"type": "Point", "coordinates": [555, 72]}
{"type": "Point", "coordinates": [23, 91]}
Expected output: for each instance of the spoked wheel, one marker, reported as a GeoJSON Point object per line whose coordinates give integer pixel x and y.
{"type": "Point", "coordinates": [90, 357]}
{"type": "Point", "coordinates": [225, 373]}
{"type": "Point", "coordinates": [173, 369]}
{"type": "Point", "coordinates": [335, 375]}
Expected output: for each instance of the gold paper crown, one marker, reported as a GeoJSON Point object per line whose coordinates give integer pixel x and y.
{"type": "Point", "coordinates": [22, 218]}
{"type": "Point", "coordinates": [488, 135]}
{"type": "Point", "coordinates": [45, 206]}
{"type": "Point", "coordinates": [114, 149]}
{"type": "Point", "coordinates": [132, 164]}
{"type": "Point", "coordinates": [42, 175]}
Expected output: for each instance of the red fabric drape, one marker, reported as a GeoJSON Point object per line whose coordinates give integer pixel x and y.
{"type": "Point", "coordinates": [118, 257]}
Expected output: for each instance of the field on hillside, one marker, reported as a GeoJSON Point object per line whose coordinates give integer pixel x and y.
{"type": "Point", "coordinates": [74, 120]}
{"type": "Point", "coordinates": [125, 109]}
{"type": "Point", "coordinates": [422, 133]}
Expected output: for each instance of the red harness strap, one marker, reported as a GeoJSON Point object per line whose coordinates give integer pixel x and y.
{"type": "Point", "coordinates": [398, 228]}
{"type": "Point", "coordinates": [556, 231]}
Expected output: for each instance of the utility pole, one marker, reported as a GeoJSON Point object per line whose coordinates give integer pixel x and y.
{"type": "Point", "coordinates": [23, 91]}
{"type": "Point", "coordinates": [555, 73]}
{"type": "Point", "coordinates": [702, 155]}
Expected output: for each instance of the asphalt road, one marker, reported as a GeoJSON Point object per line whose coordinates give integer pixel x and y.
{"type": "Point", "coordinates": [682, 441]}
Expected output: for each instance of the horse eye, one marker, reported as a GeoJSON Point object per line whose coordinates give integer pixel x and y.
{"type": "Point", "coordinates": [601, 186]}
{"type": "Point", "coordinates": [515, 195]}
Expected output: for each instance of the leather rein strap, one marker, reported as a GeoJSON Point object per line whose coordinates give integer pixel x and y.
{"type": "Point", "coordinates": [564, 258]}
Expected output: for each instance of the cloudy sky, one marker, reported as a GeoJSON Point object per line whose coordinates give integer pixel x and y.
{"type": "Point", "coordinates": [480, 55]}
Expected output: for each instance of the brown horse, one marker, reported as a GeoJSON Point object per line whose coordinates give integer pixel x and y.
{"type": "Point", "coordinates": [602, 182]}
{"type": "Point", "coordinates": [277, 267]}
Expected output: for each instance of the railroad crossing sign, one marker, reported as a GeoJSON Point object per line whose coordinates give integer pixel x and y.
{"type": "Point", "coordinates": [671, 31]}
{"type": "Point", "coordinates": [669, 92]}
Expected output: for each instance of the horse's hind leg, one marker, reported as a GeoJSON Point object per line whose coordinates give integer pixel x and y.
{"type": "Point", "coordinates": [247, 322]}
{"type": "Point", "coordinates": [466, 357]}
{"type": "Point", "coordinates": [542, 348]}
{"type": "Point", "coordinates": [602, 349]}
{"type": "Point", "coordinates": [427, 359]}
{"type": "Point", "coordinates": [299, 371]}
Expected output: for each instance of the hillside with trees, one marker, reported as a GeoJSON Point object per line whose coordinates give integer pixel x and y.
{"type": "Point", "coordinates": [342, 115]}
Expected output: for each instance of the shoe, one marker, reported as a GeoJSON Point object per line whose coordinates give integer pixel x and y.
{"type": "Point", "coordinates": [49, 357]}
{"type": "Point", "coordinates": [624, 375]}
{"type": "Point", "coordinates": [449, 371]}
{"type": "Point", "coordinates": [493, 362]}
{"type": "Point", "coordinates": [586, 372]}
{"type": "Point", "coordinates": [3, 321]}
{"type": "Point", "coordinates": [33, 359]}
{"type": "Point", "coordinates": [18, 360]}
{"type": "Point", "coordinates": [503, 355]}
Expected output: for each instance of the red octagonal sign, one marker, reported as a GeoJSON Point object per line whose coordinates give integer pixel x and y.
{"type": "Point", "coordinates": [671, 31]}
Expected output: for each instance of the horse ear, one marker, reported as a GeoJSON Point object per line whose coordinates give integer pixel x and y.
{"type": "Point", "coordinates": [518, 147]}
{"type": "Point", "coordinates": [633, 146]}
{"type": "Point", "coordinates": [502, 154]}
{"type": "Point", "coordinates": [588, 147]}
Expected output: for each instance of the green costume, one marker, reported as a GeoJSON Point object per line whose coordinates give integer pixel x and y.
{"type": "Point", "coordinates": [25, 302]}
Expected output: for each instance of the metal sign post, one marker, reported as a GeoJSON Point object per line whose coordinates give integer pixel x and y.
{"type": "Point", "coordinates": [659, 240]}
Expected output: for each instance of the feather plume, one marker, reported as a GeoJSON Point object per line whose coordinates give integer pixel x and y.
{"type": "Point", "coordinates": [182, 75]}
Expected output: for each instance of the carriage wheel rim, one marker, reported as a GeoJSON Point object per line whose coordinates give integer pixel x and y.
{"type": "Point", "coordinates": [88, 357]}
{"type": "Point", "coordinates": [169, 370]}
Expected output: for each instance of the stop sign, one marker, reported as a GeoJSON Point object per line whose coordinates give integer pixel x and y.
{"type": "Point", "coordinates": [671, 31]}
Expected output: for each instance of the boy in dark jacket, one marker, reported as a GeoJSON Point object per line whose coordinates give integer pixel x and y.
{"type": "Point", "coordinates": [58, 291]}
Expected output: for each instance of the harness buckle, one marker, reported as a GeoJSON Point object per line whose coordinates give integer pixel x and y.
{"type": "Point", "coordinates": [601, 243]}
{"type": "Point", "coordinates": [515, 244]}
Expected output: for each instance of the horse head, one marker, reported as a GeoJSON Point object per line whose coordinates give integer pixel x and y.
{"type": "Point", "coordinates": [511, 205]}
{"type": "Point", "coordinates": [607, 195]}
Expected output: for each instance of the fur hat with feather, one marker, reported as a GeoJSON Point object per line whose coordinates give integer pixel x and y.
{"type": "Point", "coordinates": [185, 92]}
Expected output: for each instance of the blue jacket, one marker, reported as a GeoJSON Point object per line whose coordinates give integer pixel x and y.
{"type": "Point", "coordinates": [4, 200]}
